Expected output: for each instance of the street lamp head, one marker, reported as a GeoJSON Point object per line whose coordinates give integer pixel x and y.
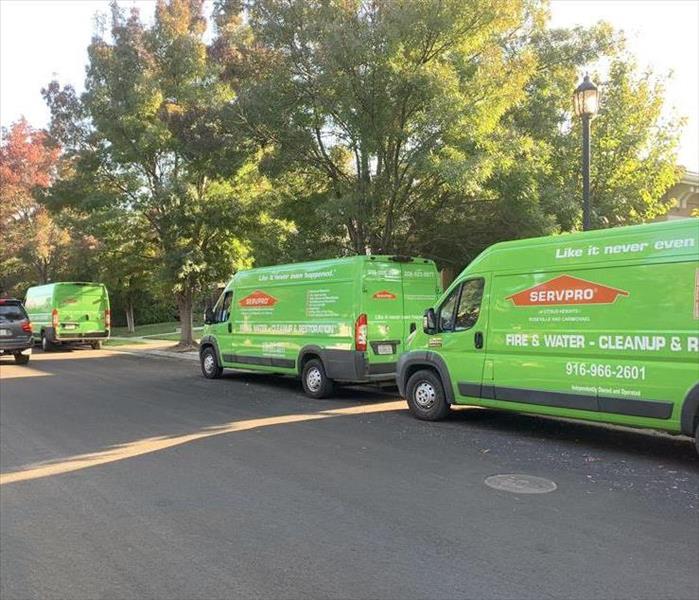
{"type": "Point", "coordinates": [586, 98]}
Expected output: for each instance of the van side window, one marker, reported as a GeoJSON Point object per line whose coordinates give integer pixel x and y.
{"type": "Point", "coordinates": [445, 321]}
{"type": "Point", "coordinates": [222, 310]}
{"type": "Point", "coordinates": [469, 304]}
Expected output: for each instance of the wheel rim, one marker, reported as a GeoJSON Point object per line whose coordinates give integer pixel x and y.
{"type": "Point", "coordinates": [44, 342]}
{"type": "Point", "coordinates": [425, 395]}
{"type": "Point", "coordinates": [314, 379]}
{"type": "Point", "coordinates": [209, 363]}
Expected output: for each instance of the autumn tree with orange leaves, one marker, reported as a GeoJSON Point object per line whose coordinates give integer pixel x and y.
{"type": "Point", "coordinates": [32, 241]}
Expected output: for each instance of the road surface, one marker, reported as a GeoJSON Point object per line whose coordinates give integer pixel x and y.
{"type": "Point", "coordinates": [134, 477]}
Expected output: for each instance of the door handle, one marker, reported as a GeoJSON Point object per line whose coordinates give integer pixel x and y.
{"type": "Point", "coordinates": [478, 340]}
{"type": "Point", "coordinates": [230, 328]}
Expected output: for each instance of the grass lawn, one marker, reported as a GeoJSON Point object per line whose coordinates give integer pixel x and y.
{"type": "Point", "coordinates": [154, 329]}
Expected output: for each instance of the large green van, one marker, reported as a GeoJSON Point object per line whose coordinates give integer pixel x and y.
{"type": "Point", "coordinates": [601, 325]}
{"type": "Point", "coordinates": [69, 312]}
{"type": "Point", "coordinates": [342, 320]}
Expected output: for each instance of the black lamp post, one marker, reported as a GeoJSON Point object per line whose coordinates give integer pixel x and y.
{"type": "Point", "coordinates": [586, 104]}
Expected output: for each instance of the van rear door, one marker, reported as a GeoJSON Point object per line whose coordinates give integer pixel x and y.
{"type": "Point", "coordinates": [420, 291]}
{"type": "Point", "coordinates": [396, 293]}
{"type": "Point", "coordinates": [81, 308]}
{"type": "Point", "coordinates": [383, 306]}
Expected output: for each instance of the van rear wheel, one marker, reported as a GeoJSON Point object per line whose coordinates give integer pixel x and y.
{"type": "Point", "coordinates": [315, 381]}
{"type": "Point", "coordinates": [425, 396]}
{"type": "Point", "coordinates": [696, 436]}
{"type": "Point", "coordinates": [96, 345]}
{"type": "Point", "coordinates": [46, 344]}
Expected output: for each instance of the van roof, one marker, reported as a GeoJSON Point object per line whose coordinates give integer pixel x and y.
{"type": "Point", "coordinates": [346, 259]}
{"type": "Point", "coordinates": [56, 283]}
{"type": "Point", "coordinates": [615, 244]}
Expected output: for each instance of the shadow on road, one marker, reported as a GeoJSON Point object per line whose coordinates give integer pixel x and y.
{"type": "Point", "coordinates": [581, 436]}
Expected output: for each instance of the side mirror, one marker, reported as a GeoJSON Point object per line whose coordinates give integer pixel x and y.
{"type": "Point", "coordinates": [209, 316]}
{"type": "Point", "coordinates": [429, 322]}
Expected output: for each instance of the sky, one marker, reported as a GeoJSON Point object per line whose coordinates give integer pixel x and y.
{"type": "Point", "coordinates": [45, 39]}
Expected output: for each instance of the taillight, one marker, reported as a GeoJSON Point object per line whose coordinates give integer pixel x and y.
{"type": "Point", "coordinates": [360, 333]}
{"type": "Point", "coordinates": [107, 319]}
{"type": "Point", "coordinates": [27, 327]}
{"type": "Point", "coordinates": [54, 318]}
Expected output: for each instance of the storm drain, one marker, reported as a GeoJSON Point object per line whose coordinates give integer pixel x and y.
{"type": "Point", "coordinates": [517, 483]}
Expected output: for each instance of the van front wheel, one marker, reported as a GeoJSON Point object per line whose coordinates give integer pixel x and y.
{"type": "Point", "coordinates": [314, 380]}
{"type": "Point", "coordinates": [696, 436]}
{"type": "Point", "coordinates": [425, 396]}
{"type": "Point", "coordinates": [209, 364]}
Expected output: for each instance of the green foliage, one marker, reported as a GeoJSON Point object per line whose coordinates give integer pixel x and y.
{"type": "Point", "coordinates": [439, 127]}
{"type": "Point", "coordinates": [396, 105]}
{"type": "Point", "coordinates": [151, 149]}
{"type": "Point", "coordinates": [318, 128]}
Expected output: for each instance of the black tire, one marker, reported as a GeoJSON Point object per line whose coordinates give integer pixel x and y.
{"type": "Point", "coordinates": [209, 363]}
{"type": "Point", "coordinates": [425, 395]}
{"type": "Point", "coordinates": [315, 381]}
{"type": "Point", "coordinates": [22, 359]}
{"type": "Point", "coordinates": [46, 344]}
{"type": "Point", "coordinates": [696, 436]}
{"type": "Point", "coordinates": [97, 345]}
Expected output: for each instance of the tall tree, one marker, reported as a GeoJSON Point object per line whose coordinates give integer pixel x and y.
{"type": "Point", "coordinates": [149, 137]}
{"type": "Point", "coordinates": [395, 103]}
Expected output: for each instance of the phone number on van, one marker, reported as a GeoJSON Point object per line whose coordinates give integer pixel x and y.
{"type": "Point", "coordinates": [605, 370]}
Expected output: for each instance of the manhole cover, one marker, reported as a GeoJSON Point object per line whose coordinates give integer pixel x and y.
{"type": "Point", "coordinates": [521, 484]}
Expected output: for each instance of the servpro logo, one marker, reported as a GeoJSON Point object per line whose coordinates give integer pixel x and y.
{"type": "Point", "coordinates": [384, 295]}
{"type": "Point", "coordinates": [566, 289]}
{"type": "Point", "coordinates": [257, 299]}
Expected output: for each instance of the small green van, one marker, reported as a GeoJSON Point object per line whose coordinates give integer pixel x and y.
{"type": "Point", "coordinates": [600, 325]}
{"type": "Point", "coordinates": [343, 320]}
{"type": "Point", "coordinates": [69, 312]}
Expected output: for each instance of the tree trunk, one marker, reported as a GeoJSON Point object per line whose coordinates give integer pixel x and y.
{"type": "Point", "coordinates": [130, 323]}
{"type": "Point", "coordinates": [184, 306]}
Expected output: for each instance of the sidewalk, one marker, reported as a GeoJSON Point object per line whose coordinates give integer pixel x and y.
{"type": "Point", "coordinates": [146, 347]}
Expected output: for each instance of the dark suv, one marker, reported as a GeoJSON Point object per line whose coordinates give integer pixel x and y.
{"type": "Point", "coordinates": [15, 331]}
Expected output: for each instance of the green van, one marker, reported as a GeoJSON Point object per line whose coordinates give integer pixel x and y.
{"type": "Point", "coordinates": [69, 312]}
{"type": "Point", "coordinates": [601, 325]}
{"type": "Point", "coordinates": [343, 320]}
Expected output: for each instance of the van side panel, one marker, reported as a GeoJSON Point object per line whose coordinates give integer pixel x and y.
{"type": "Point", "coordinates": [38, 303]}
{"type": "Point", "coordinates": [616, 343]}
{"type": "Point", "coordinates": [277, 311]}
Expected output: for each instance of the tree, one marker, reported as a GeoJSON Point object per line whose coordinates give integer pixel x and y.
{"type": "Point", "coordinates": [149, 138]}
{"type": "Point", "coordinates": [633, 145]}
{"type": "Point", "coordinates": [395, 104]}
{"type": "Point", "coordinates": [440, 127]}
{"type": "Point", "coordinates": [33, 241]}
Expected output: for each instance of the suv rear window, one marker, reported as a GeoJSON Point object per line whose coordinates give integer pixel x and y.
{"type": "Point", "coordinates": [11, 312]}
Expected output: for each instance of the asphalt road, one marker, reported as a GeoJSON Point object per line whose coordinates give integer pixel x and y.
{"type": "Point", "coordinates": [132, 477]}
